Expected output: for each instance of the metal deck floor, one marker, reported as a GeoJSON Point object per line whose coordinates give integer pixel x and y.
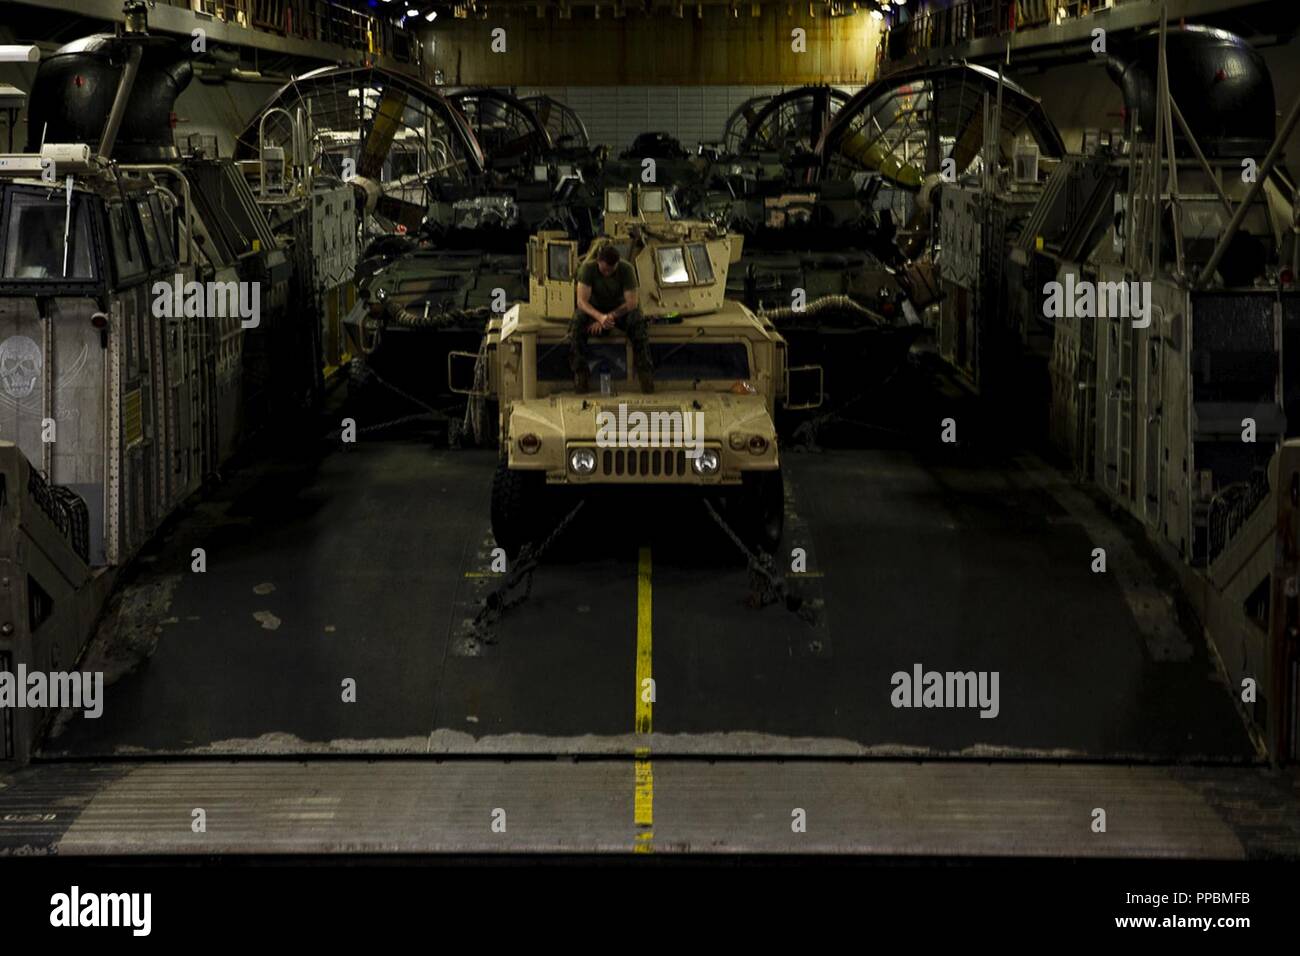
{"type": "Point", "coordinates": [366, 562]}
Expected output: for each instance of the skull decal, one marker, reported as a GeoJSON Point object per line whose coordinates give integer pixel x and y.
{"type": "Point", "coordinates": [20, 365]}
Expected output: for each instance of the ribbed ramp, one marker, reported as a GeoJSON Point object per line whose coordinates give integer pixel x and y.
{"type": "Point", "coordinates": [885, 807]}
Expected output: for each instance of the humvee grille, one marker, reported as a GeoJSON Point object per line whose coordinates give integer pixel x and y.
{"type": "Point", "coordinates": [645, 462]}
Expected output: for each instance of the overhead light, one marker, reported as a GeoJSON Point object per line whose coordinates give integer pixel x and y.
{"type": "Point", "coordinates": [412, 12]}
{"type": "Point", "coordinates": [877, 15]}
{"type": "Point", "coordinates": [431, 15]}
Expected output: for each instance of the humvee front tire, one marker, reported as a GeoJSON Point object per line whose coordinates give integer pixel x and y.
{"type": "Point", "coordinates": [516, 506]}
{"type": "Point", "coordinates": [761, 511]}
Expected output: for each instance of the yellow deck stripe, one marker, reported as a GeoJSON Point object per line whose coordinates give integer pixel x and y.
{"type": "Point", "coordinates": [644, 800]}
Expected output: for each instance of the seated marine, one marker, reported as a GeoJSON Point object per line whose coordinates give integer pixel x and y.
{"type": "Point", "coordinates": [607, 299]}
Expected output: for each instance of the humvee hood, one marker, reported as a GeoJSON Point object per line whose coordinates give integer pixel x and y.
{"type": "Point", "coordinates": [582, 417]}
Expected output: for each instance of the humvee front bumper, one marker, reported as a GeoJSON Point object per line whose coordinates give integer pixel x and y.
{"type": "Point", "coordinates": [567, 438]}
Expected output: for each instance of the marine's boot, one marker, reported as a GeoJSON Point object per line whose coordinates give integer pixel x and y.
{"type": "Point", "coordinates": [582, 379]}
{"type": "Point", "coordinates": [646, 376]}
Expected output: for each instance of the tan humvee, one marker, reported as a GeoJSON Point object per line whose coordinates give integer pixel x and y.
{"type": "Point", "coordinates": [720, 372]}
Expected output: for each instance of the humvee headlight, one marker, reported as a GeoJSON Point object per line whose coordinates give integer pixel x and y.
{"type": "Point", "coordinates": [582, 461]}
{"type": "Point", "coordinates": [757, 444]}
{"type": "Point", "coordinates": [706, 463]}
{"type": "Point", "coordinates": [529, 444]}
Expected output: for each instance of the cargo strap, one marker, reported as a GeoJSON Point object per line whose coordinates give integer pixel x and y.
{"type": "Point", "coordinates": [767, 586]}
{"type": "Point", "coordinates": [498, 600]}
{"type": "Point", "coordinates": [363, 374]}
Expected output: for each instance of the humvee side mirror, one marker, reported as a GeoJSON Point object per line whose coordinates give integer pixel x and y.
{"type": "Point", "coordinates": [462, 368]}
{"type": "Point", "coordinates": [803, 387]}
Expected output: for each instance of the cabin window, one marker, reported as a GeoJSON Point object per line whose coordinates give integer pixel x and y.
{"type": "Point", "coordinates": [558, 256]}
{"type": "Point", "coordinates": [700, 262]}
{"type": "Point", "coordinates": [33, 244]}
{"type": "Point", "coordinates": [672, 266]}
{"type": "Point", "coordinates": [151, 226]}
{"type": "Point", "coordinates": [163, 222]}
{"type": "Point", "coordinates": [128, 258]}
{"type": "Point", "coordinates": [652, 200]}
{"type": "Point", "coordinates": [615, 200]}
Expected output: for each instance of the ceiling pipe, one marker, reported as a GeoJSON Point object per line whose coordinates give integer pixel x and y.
{"type": "Point", "coordinates": [136, 16]}
{"type": "Point", "coordinates": [115, 115]}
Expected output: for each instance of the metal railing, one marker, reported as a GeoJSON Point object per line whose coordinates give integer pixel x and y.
{"type": "Point", "coordinates": [324, 21]}
{"type": "Point", "coordinates": [65, 509]}
{"type": "Point", "coordinates": [934, 28]}
{"type": "Point", "coordinates": [1231, 508]}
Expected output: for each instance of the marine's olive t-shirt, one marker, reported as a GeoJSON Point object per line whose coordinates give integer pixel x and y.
{"type": "Point", "coordinates": [607, 291]}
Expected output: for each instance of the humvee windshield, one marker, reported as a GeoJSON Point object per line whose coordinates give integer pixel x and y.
{"type": "Point", "coordinates": [688, 361]}
{"type": "Point", "coordinates": [681, 361]}
{"type": "Point", "coordinates": [33, 236]}
{"type": "Point", "coordinates": [553, 361]}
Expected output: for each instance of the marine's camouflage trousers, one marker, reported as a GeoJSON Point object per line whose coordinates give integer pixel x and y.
{"type": "Point", "coordinates": [633, 325]}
